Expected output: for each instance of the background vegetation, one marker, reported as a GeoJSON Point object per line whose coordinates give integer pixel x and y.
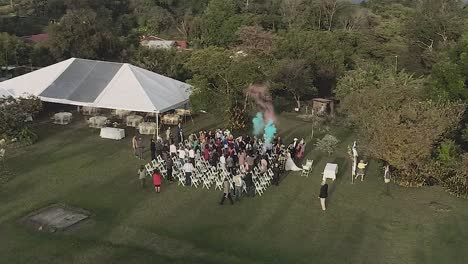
{"type": "Point", "coordinates": [398, 67]}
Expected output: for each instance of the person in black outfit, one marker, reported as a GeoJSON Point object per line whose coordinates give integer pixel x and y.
{"type": "Point", "coordinates": [323, 195]}
{"type": "Point", "coordinates": [276, 174]}
{"type": "Point", "coordinates": [169, 163]}
{"type": "Point", "coordinates": [159, 148]}
{"type": "Point", "coordinates": [153, 149]}
{"type": "Point", "coordinates": [249, 183]}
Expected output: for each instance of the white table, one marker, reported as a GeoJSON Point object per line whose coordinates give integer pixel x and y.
{"type": "Point", "coordinates": [97, 121]}
{"type": "Point", "coordinates": [62, 118]}
{"type": "Point", "coordinates": [134, 120]}
{"type": "Point", "coordinates": [330, 171]}
{"type": "Point", "coordinates": [147, 128]}
{"type": "Point", "coordinates": [171, 119]}
{"type": "Point", "coordinates": [112, 133]}
{"type": "Point", "coordinates": [88, 110]}
{"type": "Point", "coordinates": [122, 113]}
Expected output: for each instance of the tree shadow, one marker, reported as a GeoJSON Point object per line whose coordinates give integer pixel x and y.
{"type": "Point", "coordinates": [342, 165]}
{"type": "Point", "coordinates": [350, 243]}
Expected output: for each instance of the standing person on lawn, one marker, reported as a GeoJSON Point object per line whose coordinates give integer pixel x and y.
{"type": "Point", "coordinates": [188, 169]}
{"type": "Point", "coordinates": [169, 164]}
{"type": "Point", "coordinates": [135, 145]}
{"type": "Point", "coordinates": [276, 174]}
{"type": "Point", "coordinates": [226, 192]}
{"type": "Point", "coordinates": [157, 181]}
{"type": "Point", "coordinates": [323, 195]}
{"type": "Point", "coordinates": [140, 147]}
{"type": "Point", "coordinates": [142, 176]}
{"type": "Point", "coordinates": [238, 186]}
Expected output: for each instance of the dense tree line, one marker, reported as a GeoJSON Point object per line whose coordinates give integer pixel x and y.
{"type": "Point", "coordinates": [398, 67]}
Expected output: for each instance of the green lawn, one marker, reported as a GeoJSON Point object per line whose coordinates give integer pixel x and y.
{"type": "Point", "coordinates": [364, 223]}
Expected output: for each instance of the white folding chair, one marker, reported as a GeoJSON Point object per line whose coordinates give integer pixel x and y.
{"type": "Point", "coordinates": [149, 169]}
{"type": "Point", "coordinates": [307, 168]}
{"type": "Point", "coordinates": [154, 163]}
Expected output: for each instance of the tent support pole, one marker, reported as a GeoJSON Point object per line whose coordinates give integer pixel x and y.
{"type": "Point", "coordinates": [157, 125]}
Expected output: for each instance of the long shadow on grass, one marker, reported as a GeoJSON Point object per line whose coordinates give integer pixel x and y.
{"type": "Point", "coordinates": [342, 169]}
{"type": "Point", "coordinates": [448, 245]}
{"type": "Point", "coordinates": [349, 245]}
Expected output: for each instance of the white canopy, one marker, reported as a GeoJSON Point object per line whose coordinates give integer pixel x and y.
{"type": "Point", "coordinates": [101, 84]}
{"type": "Point", "coordinates": [4, 93]}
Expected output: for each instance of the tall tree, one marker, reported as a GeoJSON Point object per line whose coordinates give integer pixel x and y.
{"type": "Point", "coordinates": [394, 120]}
{"type": "Point", "coordinates": [220, 81]}
{"type": "Point", "coordinates": [296, 78]}
{"type": "Point", "coordinates": [84, 33]}
{"type": "Point", "coordinates": [220, 22]}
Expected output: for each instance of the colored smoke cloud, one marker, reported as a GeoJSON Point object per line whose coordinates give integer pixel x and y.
{"type": "Point", "coordinates": [265, 120]}
{"type": "Point", "coordinates": [263, 99]}
{"type": "Point", "coordinates": [270, 131]}
{"type": "Point", "coordinates": [258, 124]}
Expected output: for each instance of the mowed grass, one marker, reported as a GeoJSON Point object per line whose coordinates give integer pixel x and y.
{"type": "Point", "coordinates": [364, 223]}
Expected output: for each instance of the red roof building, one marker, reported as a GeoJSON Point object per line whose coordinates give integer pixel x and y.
{"type": "Point", "coordinates": [35, 39]}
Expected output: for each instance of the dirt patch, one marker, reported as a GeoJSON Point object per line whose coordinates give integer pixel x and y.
{"type": "Point", "coordinates": [439, 207]}
{"type": "Point", "coordinates": [56, 217]}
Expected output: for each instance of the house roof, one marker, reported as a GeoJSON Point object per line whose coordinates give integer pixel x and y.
{"type": "Point", "coordinates": [39, 38]}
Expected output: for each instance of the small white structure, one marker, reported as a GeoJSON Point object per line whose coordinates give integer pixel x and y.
{"type": "Point", "coordinates": [153, 42]}
{"type": "Point", "coordinates": [330, 171]}
{"type": "Point", "coordinates": [112, 133]}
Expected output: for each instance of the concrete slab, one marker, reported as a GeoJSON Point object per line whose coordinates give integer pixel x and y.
{"type": "Point", "coordinates": [56, 217]}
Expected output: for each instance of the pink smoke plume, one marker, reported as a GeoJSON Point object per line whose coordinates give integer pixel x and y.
{"type": "Point", "coordinates": [263, 99]}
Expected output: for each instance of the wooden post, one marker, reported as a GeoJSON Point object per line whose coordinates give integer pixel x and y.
{"type": "Point", "coordinates": [332, 108]}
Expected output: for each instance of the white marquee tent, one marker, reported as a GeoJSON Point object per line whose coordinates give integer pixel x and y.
{"type": "Point", "coordinates": [100, 84]}
{"type": "Point", "coordinates": [4, 93]}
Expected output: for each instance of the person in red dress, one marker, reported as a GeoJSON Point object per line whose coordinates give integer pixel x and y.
{"type": "Point", "coordinates": [157, 181]}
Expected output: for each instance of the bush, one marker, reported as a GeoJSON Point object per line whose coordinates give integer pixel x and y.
{"type": "Point", "coordinates": [458, 183]}
{"type": "Point", "coordinates": [448, 153]}
{"type": "Point", "coordinates": [27, 137]}
{"type": "Point", "coordinates": [327, 144]}
{"type": "Point", "coordinates": [14, 112]}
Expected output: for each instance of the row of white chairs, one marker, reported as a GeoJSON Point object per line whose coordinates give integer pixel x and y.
{"type": "Point", "coordinates": [206, 176]}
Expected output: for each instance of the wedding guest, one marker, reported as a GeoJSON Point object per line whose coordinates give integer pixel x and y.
{"type": "Point", "coordinates": [226, 192]}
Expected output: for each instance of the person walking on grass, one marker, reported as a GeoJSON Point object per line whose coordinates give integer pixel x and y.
{"type": "Point", "coordinates": [142, 176]}
{"type": "Point", "coordinates": [276, 174]}
{"type": "Point", "coordinates": [226, 192]}
{"type": "Point", "coordinates": [323, 195]}
{"type": "Point", "coordinates": [169, 164]}
{"type": "Point", "coordinates": [238, 186]}
{"type": "Point", "coordinates": [157, 181]}
{"type": "Point", "coordinates": [188, 169]}
{"type": "Point", "coordinates": [139, 146]}
{"type": "Point", "coordinates": [135, 146]}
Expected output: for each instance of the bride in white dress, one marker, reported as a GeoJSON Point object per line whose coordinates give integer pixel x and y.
{"type": "Point", "coordinates": [290, 165]}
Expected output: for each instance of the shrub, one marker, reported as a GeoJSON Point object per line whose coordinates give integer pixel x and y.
{"type": "Point", "coordinates": [27, 137]}
{"type": "Point", "coordinates": [327, 144]}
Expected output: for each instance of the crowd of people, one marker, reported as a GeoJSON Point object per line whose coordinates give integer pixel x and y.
{"type": "Point", "coordinates": [219, 148]}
